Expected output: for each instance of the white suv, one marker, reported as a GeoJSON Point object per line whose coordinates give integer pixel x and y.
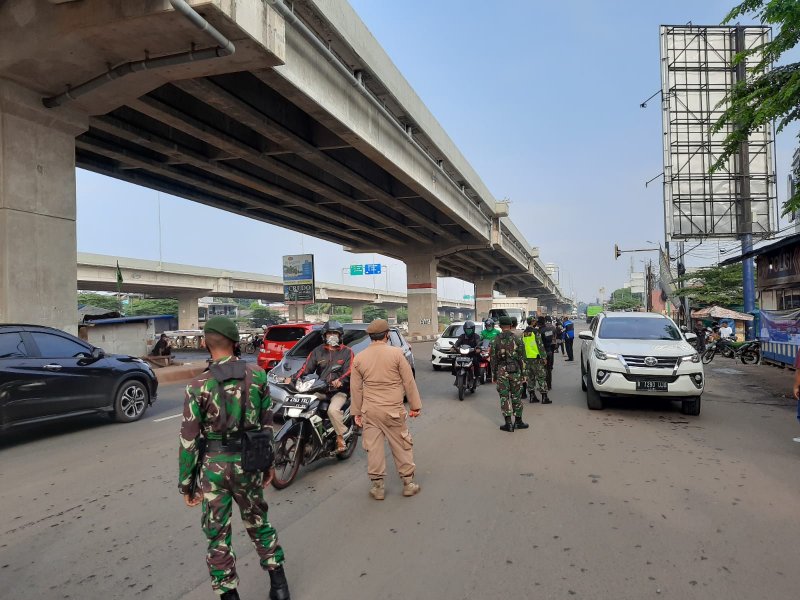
{"type": "Point", "coordinates": [640, 354]}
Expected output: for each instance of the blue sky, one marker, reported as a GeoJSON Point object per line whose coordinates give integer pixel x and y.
{"type": "Point", "coordinates": [541, 97]}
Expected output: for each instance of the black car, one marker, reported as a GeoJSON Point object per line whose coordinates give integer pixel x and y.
{"type": "Point", "coordinates": [48, 374]}
{"type": "Point", "coordinates": [355, 336]}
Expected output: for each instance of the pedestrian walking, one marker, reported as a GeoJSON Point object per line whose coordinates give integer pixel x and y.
{"type": "Point", "coordinates": [535, 363]}
{"type": "Point", "coordinates": [223, 407]}
{"type": "Point", "coordinates": [380, 378]}
{"type": "Point", "coordinates": [507, 359]}
{"type": "Point", "coordinates": [569, 337]}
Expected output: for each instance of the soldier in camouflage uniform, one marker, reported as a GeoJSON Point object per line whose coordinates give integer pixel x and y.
{"type": "Point", "coordinates": [222, 479]}
{"type": "Point", "coordinates": [507, 359]}
{"type": "Point", "coordinates": [535, 362]}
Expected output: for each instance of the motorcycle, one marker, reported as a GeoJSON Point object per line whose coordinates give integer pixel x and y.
{"type": "Point", "coordinates": [252, 344]}
{"type": "Point", "coordinates": [462, 366]}
{"type": "Point", "coordinates": [748, 352]}
{"type": "Point", "coordinates": [307, 435]}
{"type": "Point", "coordinates": [484, 362]}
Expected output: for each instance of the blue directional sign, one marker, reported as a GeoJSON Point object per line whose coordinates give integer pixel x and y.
{"type": "Point", "coordinates": [374, 269]}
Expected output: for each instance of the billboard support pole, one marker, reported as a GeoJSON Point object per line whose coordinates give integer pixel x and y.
{"type": "Point", "coordinates": [748, 283]}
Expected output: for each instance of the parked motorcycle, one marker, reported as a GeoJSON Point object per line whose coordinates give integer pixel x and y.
{"type": "Point", "coordinates": [307, 434]}
{"type": "Point", "coordinates": [462, 366]}
{"type": "Point", "coordinates": [484, 362]}
{"type": "Point", "coordinates": [748, 352]}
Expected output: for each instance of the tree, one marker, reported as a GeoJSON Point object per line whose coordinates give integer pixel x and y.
{"type": "Point", "coordinates": [713, 285]}
{"type": "Point", "coordinates": [767, 95]}
{"type": "Point", "coordinates": [372, 312]}
{"type": "Point", "coordinates": [262, 315]}
{"type": "Point", "coordinates": [402, 314]}
{"type": "Point", "coordinates": [152, 306]}
{"type": "Point", "coordinates": [623, 299]}
{"type": "Point", "coordinates": [99, 300]}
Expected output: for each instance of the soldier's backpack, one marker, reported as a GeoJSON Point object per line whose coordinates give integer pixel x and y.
{"type": "Point", "coordinates": [258, 452]}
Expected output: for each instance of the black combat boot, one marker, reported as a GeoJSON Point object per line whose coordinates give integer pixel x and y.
{"type": "Point", "coordinates": [546, 400]}
{"type": "Point", "coordinates": [533, 397]}
{"type": "Point", "coordinates": [509, 426]}
{"type": "Point", "coordinates": [279, 587]}
{"type": "Point", "coordinates": [230, 595]}
{"type": "Point", "coordinates": [519, 424]}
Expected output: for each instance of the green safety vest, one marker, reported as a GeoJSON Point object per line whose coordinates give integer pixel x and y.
{"type": "Point", "coordinates": [531, 346]}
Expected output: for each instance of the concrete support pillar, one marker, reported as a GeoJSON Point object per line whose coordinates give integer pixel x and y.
{"type": "Point", "coordinates": [188, 312]}
{"type": "Point", "coordinates": [422, 295]}
{"type": "Point", "coordinates": [38, 248]}
{"type": "Point", "coordinates": [358, 313]}
{"type": "Point", "coordinates": [484, 292]}
{"type": "Point", "coordinates": [392, 315]}
{"type": "Point", "coordinates": [297, 312]}
{"type": "Point", "coordinates": [512, 292]}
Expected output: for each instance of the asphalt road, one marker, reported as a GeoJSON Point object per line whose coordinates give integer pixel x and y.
{"type": "Point", "coordinates": [636, 501]}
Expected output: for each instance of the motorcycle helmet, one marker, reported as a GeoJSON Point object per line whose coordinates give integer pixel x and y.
{"type": "Point", "coordinates": [531, 320]}
{"type": "Point", "coordinates": [469, 328]}
{"type": "Point", "coordinates": [333, 327]}
{"type": "Point", "coordinates": [489, 323]}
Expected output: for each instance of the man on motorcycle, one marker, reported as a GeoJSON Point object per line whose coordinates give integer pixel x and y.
{"type": "Point", "coordinates": [473, 340]}
{"type": "Point", "coordinates": [489, 332]}
{"type": "Point", "coordinates": [323, 361]}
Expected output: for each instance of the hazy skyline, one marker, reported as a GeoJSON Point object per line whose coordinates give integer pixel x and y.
{"type": "Point", "coordinates": [543, 100]}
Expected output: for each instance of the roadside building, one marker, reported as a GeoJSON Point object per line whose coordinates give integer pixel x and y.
{"type": "Point", "coordinates": [778, 282]}
{"type": "Point", "coordinates": [127, 335]}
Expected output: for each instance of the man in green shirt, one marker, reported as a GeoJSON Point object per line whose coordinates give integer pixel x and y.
{"type": "Point", "coordinates": [489, 332]}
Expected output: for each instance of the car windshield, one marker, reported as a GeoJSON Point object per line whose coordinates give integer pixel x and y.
{"type": "Point", "coordinates": [638, 328]}
{"type": "Point", "coordinates": [285, 334]}
{"type": "Point", "coordinates": [453, 331]}
{"type": "Point", "coordinates": [314, 339]}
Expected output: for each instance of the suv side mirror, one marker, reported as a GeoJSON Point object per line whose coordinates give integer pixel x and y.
{"type": "Point", "coordinates": [586, 335]}
{"type": "Point", "coordinates": [98, 353]}
{"type": "Point", "coordinates": [690, 337]}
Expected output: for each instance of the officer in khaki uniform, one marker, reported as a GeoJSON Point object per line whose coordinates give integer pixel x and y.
{"type": "Point", "coordinates": [381, 376]}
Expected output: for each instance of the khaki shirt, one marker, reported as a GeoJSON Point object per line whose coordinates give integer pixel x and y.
{"type": "Point", "coordinates": [380, 378]}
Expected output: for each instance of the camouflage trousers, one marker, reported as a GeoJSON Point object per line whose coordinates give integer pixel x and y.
{"type": "Point", "coordinates": [536, 370]}
{"type": "Point", "coordinates": [509, 386]}
{"type": "Point", "coordinates": [224, 482]}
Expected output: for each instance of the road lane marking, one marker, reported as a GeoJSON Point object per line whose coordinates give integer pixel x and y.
{"type": "Point", "coordinates": [167, 418]}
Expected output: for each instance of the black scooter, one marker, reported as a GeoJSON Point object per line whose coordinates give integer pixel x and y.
{"type": "Point", "coordinates": [307, 434]}
{"type": "Point", "coordinates": [463, 369]}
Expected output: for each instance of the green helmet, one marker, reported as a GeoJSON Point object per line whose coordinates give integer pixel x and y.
{"type": "Point", "coordinates": [223, 326]}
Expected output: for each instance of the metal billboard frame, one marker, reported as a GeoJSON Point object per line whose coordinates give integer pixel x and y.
{"type": "Point", "coordinates": [697, 74]}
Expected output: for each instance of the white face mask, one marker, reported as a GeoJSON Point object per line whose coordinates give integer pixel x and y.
{"type": "Point", "coordinates": [332, 339]}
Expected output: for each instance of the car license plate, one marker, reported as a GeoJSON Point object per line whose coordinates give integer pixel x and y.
{"type": "Point", "coordinates": [651, 386]}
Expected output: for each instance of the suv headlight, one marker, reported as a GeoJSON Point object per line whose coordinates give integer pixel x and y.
{"type": "Point", "coordinates": [695, 358]}
{"type": "Point", "coordinates": [604, 355]}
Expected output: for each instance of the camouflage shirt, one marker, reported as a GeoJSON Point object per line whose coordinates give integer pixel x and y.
{"type": "Point", "coordinates": [507, 348]}
{"type": "Point", "coordinates": [202, 414]}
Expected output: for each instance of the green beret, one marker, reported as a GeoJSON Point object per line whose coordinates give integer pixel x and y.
{"type": "Point", "coordinates": [223, 326]}
{"type": "Point", "coordinates": [506, 321]}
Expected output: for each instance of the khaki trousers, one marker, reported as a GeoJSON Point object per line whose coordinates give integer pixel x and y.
{"type": "Point", "coordinates": [391, 426]}
{"type": "Point", "coordinates": [335, 413]}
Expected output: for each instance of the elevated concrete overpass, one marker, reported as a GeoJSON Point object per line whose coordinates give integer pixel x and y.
{"type": "Point", "coordinates": [189, 283]}
{"type": "Point", "coordinates": [293, 117]}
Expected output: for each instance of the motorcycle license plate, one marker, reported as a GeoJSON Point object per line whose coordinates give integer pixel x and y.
{"type": "Point", "coordinates": [651, 386]}
{"type": "Point", "coordinates": [297, 401]}
{"type": "Point", "coordinates": [463, 361]}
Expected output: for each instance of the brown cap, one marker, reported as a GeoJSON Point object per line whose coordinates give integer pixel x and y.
{"type": "Point", "coordinates": [378, 326]}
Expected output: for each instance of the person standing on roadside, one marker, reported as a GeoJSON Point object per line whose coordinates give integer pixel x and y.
{"type": "Point", "coordinates": [550, 339]}
{"type": "Point", "coordinates": [380, 378]}
{"type": "Point", "coordinates": [559, 337]}
{"type": "Point", "coordinates": [569, 337]}
{"type": "Point", "coordinates": [535, 363]}
{"type": "Point", "coordinates": [229, 398]}
{"type": "Point", "coordinates": [507, 360]}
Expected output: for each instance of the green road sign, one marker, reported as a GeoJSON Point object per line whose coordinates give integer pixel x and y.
{"type": "Point", "coordinates": [468, 297]}
{"type": "Point", "coordinates": [356, 269]}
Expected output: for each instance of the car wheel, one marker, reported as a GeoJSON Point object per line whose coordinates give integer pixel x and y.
{"type": "Point", "coordinates": [691, 407]}
{"type": "Point", "coordinates": [593, 400]}
{"type": "Point", "coordinates": [583, 377]}
{"type": "Point", "coordinates": [437, 368]}
{"type": "Point", "coordinates": [131, 401]}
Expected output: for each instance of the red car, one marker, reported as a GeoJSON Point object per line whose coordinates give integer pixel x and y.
{"type": "Point", "coordinates": [279, 339]}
